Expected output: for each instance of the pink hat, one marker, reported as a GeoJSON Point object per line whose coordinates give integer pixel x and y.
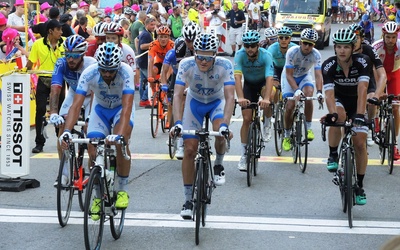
{"type": "Point", "coordinates": [108, 10]}
{"type": "Point", "coordinates": [19, 2]}
{"type": "Point", "coordinates": [117, 6]}
{"type": "Point", "coordinates": [135, 7]}
{"type": "Point", "coordinates": [45, 6]}
{"type": "Point", "coordinates": [83, 4]}
{"type": "Point", "coordinates": [170, 11]}
{"type": "Point", "coordinates": [3, 19]}
{"type": "Point", "coordinates": [9, 34]}
{"type": "Point", "coordinates": [42, 19]}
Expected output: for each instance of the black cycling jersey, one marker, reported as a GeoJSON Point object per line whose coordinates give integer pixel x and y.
{"type": "Point", "coordinates": [181, 50]}
{"type": "Point", "coordinates": [346, 86]}
{"type": "Point", "coordinates": [376, 61]}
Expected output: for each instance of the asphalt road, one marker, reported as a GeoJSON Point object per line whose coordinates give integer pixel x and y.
{"type": "Point", "coordinates": [283, 209]}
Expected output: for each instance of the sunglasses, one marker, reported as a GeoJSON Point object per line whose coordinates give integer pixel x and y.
{"type": "Point", "coordinates": [284, 37]}
{"type": "Point", "coordinates": [111, 71]}
{"type": "Point", "coordinates": [307, 43]}
{"type": "Point", "coordinates": [72, 55]}
{"type": "Point", "coordinates": [205, 58]}
{"type": "Point", "coordinates": [250, 45]}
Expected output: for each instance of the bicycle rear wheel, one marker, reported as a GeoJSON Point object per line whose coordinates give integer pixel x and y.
{"type": "Point", "coordinates": [155, 118]}
{"type": "Point", "coordinates": [117, 220]}
{"type": "Point", "coordinates": [94, 216]}
{"type": "Point", "coordinates": [65, 193]}
{"type": "Point", "coordinates": [302, 142]}
{"type": "Point", "coordinates": [198, 198]}
{"type": "Point", "coordinates": [207, 184]}
{"type": "Point", "coordinates": [258, 147]}
{"type": "Point", "coordinates": [83, 174]}
{"type": "Point", "coordinates": [295, 149]}
{"type": "Point", "coordinates": [278, 129]}
{"type": "Point", "coordinates": [390, 142]}
{"type": "Point", "coordinates": [348, 173]}
{"type": "Point", "coordinates": [250, 153]}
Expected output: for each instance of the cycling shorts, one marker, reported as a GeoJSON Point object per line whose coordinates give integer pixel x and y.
{"type": "Point", "coordinates": [350, 106]}
{"type": "Point", "coordinates": [69, 99]}
{"type": "Point", "coordinates": [302, 81]}
{"type": "Point", "coordinates": [252, 92]}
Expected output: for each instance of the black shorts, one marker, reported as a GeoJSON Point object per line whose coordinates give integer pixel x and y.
{"type": "Point", "coordinates": [371, 86]}
{"type": "Point", "coordinates": [277, 74]}
{"type": "Point", "coordinates": [349, 104]}
{"type": "Point", "coordinates": [158, 66]}
{"type": "Point", "coordinates": [252, 92]}
{"type": "Point", "coordinates": [335, 9]}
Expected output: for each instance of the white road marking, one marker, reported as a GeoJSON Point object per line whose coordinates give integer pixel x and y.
{"type": "Point", "coordinates": [216, 222]}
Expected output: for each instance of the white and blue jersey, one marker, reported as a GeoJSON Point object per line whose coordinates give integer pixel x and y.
{"type": "Point", "coordinates": [301, 65]}
{"type": "Point", "coordinates": [107, 101]}
{"type": "Point", "coordinates": [205, 92]}
{"type": "Point", "coordinates": [254, 72]}
{"type": "Point", "coordinates": [62, 73]}
{"type": "Point", "coordinates": [170, 59]}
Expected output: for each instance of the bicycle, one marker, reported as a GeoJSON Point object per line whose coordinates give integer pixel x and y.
{"type": "Point", "coordinates": [346, 175]}
{"type": "Point", "coordinates": [255, 142]}
{"type": "Point", "coordinates": [159, 109]}
{"type": "Point", "coordinates": [279, 130]}
{"type": "Point", "coordinates": [385, 134]}
{"type": "Point", "coordinates": [100, 191]}
{"type": "Point", "coordinates": [299, 132]}
{"type": "Point", "coordinates": [77, 177]}
{"type": "Point", "coordinates": [203, 185]}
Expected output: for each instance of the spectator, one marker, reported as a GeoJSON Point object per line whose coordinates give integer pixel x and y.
{"type": "Point", "coordinates": [16, 20]}
{"type": "Point", "coordinates": [273, 9]}
{"type": "Point", "coordinates": [74, 9]}
{"type": "Point", "coordinates": [81, 29]}
{"type": "Point", "coordinates": [254, 14]}
{"type": "Point", "coordinates": [85, 7]}
{"type": "Point", "coordinates": [66, 21]}
{"type": "Point", "coordinates": [45, 9]}
{"type": "Point", "coordinates": [216, 16]}
{"type": "Point", "coordinates": [117, 12]}
{"type": "Point", "coordinates": [136, 28]}
{"type": "Point", "coordinates": [368, 27]}
{"type": "Point", "coordinates": [45, 52]}
{"type": "Point", "coordinates": [10, 40]}
{"type": "Point", "coordinates": [3, 24]}
{"type": "Point", "coordinates": [163, 7]}
{"type": "Point", "coordinates": [397, 5]}
{"type": "Point", "coordinates": [193, 13]}
{"type": "Point", "coordinates": [335, 10]}
{"type": "Point", "coordinates": [236, 19]}
{"type": "Point", "coordinates": [125, 25]}
{"type": "Point", "coordinates": [107, 19]}
{"type": "Point", "coordinates": [93, 11]}
{"type": "Point", "coordinates": [41, 28]}
{"type": "Point", "coordinates": [5, 9]}
{"type": "Point", "coordinates": [175, 22]}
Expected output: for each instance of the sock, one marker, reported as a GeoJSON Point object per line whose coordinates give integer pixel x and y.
{"type": "Point", "coordinates": [122, 182]}
{"type": "Point", "coordinates": [188, 190]}
{"type": "Point", "coordinates": [333, 151]}
{"type": "Point", "coordinates": [308, 124]}
{"type": "Point", "coordinates": [287, 133]}
{"type": "Point", "coordinates": [360, 178]}
{"type": "Point", "coordinates": [243, 148]}
{"type": "Point", "coordinates": [219, 159]}
{"type": "Point", "coordinates": [267, 122]}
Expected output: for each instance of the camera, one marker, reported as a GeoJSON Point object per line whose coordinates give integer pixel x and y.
{"type": "Point", "coordinates": [215, 12]}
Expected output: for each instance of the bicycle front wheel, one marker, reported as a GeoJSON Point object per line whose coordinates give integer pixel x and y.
{"type": "Point", "coordinates": [207, 189]}
{"type": "Point", "coordinates": [83, 175]}
{"type": "Point", "coordinates": [198, 197]}
{"type": "Point", "coordinates": [348, 173]}
{"type": "Point", "coordinates": [302, 142]}
{"type": "Point", "coordinates": [390, 141]}
{"type": "Point", "coordinates": [278, 129]}
{"type": "Point", "coordinates": [295, 149]}
{"type": "Point", "coordinates": [251, 152]}
{"type": "Point", "coordinates": [155, 118]}
{"type": "Point", "coordinates": [117, 221]}
{"type": "Point", "coordinates": [94, 216]}
{"type": "Point", "coordinates": [65, 192]}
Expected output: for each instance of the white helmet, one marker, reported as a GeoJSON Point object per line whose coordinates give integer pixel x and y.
{"type": "Point", "coordinates": [109, 55]}
{"type": "Point", "coordinates": [98, 29]}
{"type": "Point", "coordinates": [309, 34]}
{"type": "Point", "coordinates": [190, 31]}
{"type": "Point", "coordinates": [271, 32]}
{"type": "Point", "coordinates": [206, 42]}
{"type": "Point", "coordinates": [390, 28]}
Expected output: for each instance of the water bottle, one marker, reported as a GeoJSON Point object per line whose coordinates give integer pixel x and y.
{"type": "Point", "coordinates": [11, 54]}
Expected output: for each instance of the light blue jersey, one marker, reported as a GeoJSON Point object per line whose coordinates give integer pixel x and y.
{"type": "Point", "coordinates": [277, 57]}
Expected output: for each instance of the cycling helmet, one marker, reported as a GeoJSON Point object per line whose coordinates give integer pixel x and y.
{"type": "Point", "coordinates": [251, 36]}
{"type": "Point", "coordinates": [390, 28]}
{"type": "Point", "coordinates": [98, 29]}
{"type": "Point", "coordinates": [206, 42]}
{"type": "Point", "coordinates": [128, 11]}
{"type": "Point", "coordinates": [163, 30]}
{"type": "Point", "coordinates": [344, 36]}
{"type": "Point", "coordinates": [114, 28]}
{"type": "Point", "coordinates": [365, 17]}
{"type": "Point", "coordinates": [180, 48]}
{"type": "Point", "coordinates": [271, 32]}
{"type": "Point", "coordinates": [190, 31]}
{"type": "Point", "coordinates": [285, 31]}
{"type": "Point", "coordinates": [75, 43]}
{"type": "Point", "coordinates": [309, 35]}
{"type": "Point", "coordinates": [359, 30]}
{"type": "Point", "coordinates": [109, 55]}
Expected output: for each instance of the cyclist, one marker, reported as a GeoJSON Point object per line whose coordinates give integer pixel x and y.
{"type": "Point", "coordinates": [100, 37]}
{"type": "Point", "coordinates": [111, 81]}
{"type": "Point", "coordinates": [254, 65]}
{"type": "Point", "coordinates": [388, 50]}
{"type": "Point", "coordinates": [115, 33]}
{"type": "Point", "coordinates": [68, 69]}
{"type": "Point", "coordinates": [376, 87]}
{"type": "Point", "coordinates": [183, 48]}
{"type": "Point", "coordinates": [297, 80]}
{"type": "Point", "coordinates": [346, 78]}
{"type": "Point", "coordinates": [271, 36]}
{"type": "Point", "coordinates": [211, 90]}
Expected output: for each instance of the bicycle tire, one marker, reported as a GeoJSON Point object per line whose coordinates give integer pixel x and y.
{"type": "Point", "coordinates": [302, 142]}
{"type": "Point", "coordinates": [390, 141]}
{"type": "Point", "coordinates": [278, 129]}
{"type": "Point", "coordinates": [65, 194]}
{"type": "Point", "coordinates": [258, 147]}
{"type": "Point", "coordinates": [154, 115]}
{"type": "Point", "coordinates": [163, 110]}
{"type": "Point", "coordinates": [82, 166]}
{"type": "Point", "coordinates": [382, 140]}
{"type": "Point", "coordinates": [295, 149]}
{"type": "Point", "coordinates": [250, 154]}
{"type": "Point", "coordinates": [206, 190]}
{"type": "Point", "coordinates": [348, 173]}
{"type": "Point", "coordinates": [198, 202]}
{"type": "Point", "coordinates": [117, 221]}
{"type": "Point", "coordinates": [93, 229]}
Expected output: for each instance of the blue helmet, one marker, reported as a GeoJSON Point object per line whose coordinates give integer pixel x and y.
{"type": "Point", "coordinates": [251, 36]}
{"type": "Point", "coordinates": [75, 43]}
{"type": "Point", "coordinates": [365, 17]}
{"type": "Point", "coordinates": [109, 55]}
{"type": "Point", "coordinates": [285, 31]}
{"type": "Point", "coordinates": [206, 42]}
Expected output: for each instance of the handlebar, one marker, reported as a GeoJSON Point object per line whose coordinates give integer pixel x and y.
{"type": "Point", "coordinates": [346, 124]}
{"type": "Point", "coordinates": [304, 98]}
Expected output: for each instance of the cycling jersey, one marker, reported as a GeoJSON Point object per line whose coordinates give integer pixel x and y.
{"type": "Point", "coordinates": [128, 56]}
{"type": "Point", "coordinates": [254, 72]}
{"type": "Point", "coordinates": [381, 50]}
{"type": "Point", "coordinates": [301, 63]}
{"type": "Point", "coordinates": [158, 52]}
{"type": "Point", "coordinates": [175, 55]}
{"type": "Point", "coordinates": [376, 61]}
{"type": "Point", "coordinates": [208, 86]}
{"type": "Point", "coordinates": [170, 59]}
{"type": "Point", "coordinates": [277, 57]}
